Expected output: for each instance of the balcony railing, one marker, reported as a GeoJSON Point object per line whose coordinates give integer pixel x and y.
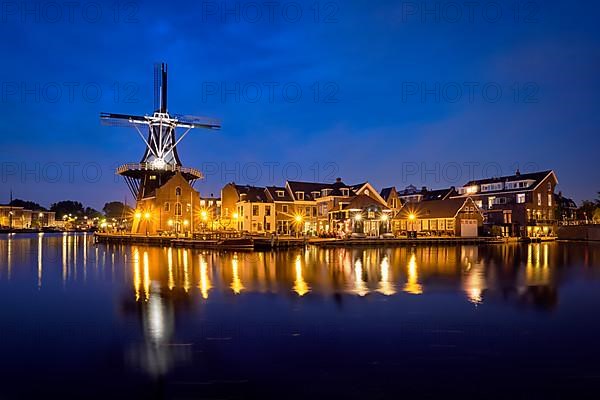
{"type": "Point", "coordinates": [150, 167]}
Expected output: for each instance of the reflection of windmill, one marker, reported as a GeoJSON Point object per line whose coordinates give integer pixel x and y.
{"type": "Point", "coordinates": [160, 161]}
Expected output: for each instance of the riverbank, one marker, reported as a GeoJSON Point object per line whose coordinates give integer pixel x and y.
{"type": "Point", "coordinates": [250, 243]}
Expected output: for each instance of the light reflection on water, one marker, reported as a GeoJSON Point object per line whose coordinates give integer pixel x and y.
{"type": "Point", "coordinates": [349, 271]}
{"type": "Point", "coordinates": [173, 294]}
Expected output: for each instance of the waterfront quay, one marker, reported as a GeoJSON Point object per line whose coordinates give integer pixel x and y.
{"type": "Point", "coordinates": [234, 241]}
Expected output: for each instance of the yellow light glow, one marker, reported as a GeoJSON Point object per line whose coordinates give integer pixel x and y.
{"type": "Point", "coordinates": [138, 215]}
{"type": "Point", "coordinates": [186, 222]}
{"type": "Point", "coordinates": [300, 285]}
{"type": "Point", "coordinates": [147, 215]}
{"type": "Point", "coordinates": [384, 217]}
{"type": "Point", "coordinates": [236, 215]}
{"type": "Point", "coordinates": [204, 215]}
{"type": "Point", "coordinates": [412, 285]}
{"type": "Point", "coordinates": [298, 218]}
{"type": "Point", "coordinates": [170, 222]}
{"type": "Point", "coordinates": [411, 216]}
{"type": "Point", "coordinates": [357, 217]}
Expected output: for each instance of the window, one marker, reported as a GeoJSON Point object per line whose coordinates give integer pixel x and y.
{"type": "Point", "coordinates": [346, 192]}
{"type": "Point", "coordinates": [152, 177]}
{"type": "Point", "coordinates": [255, 210]}
{"type": "Point", "coordinates": [167, 207]}
{"type": "Point", "coordinates": [549, 186]}
{"type": "Point", "coordinates": [177, 191]}
{"type": "Point", "coordinates": [521, 198]}
{"type": "Point", "coordinates": [549, 199]}
{"type": "Point", "coordinates": [539, 196]}
{"type": "Point", "coordinates": [268, 211]}
{"type": "Point", "coordinates": [315, 194]}
{"type": "Point", "coordinates": [178, 209]}
{"type": "Point", "coordinates": [284, 208]}
{"type": "Point", "coordinates": [325, 192]}
{"type": "Point", "coordinates": [491, 201]}
{"type": "Point", "coordinates": [394, 203]}
{"type": "Point", "coordinates": [299, 195]}
{"type": "Point", "coordinates": [280, 193]}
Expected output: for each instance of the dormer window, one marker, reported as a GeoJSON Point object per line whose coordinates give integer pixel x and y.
{"type": "Point", "coordinates": [299, 195]}
{"type": "Point", "coordinates": [280, 193]}
{"type": "Point", "coordinates": [315, 194]}
{"type": "Point", "coordinates": [345, 192]}
{"type": "Point", "coordinates": [326, 192]}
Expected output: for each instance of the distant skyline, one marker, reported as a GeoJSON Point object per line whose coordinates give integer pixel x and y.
{"type": "Point", "coordinates": [390, 92]}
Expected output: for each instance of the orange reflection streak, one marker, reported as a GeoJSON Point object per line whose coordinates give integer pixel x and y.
{"type": "Point", "coordinates": [186, 273]}
{"type": "Point", "coordinates": [171, 282]}
{"type": "Point", "coordinates": [412, 285]}
{"type": "Point", "coordinates": [236, 283]}
{"type": "Point", "coordinates": [300, 286]}
{"type": "Point", "coordinates": [360, 287]}
{"type": "Point", "coordinates": [40, 236]}
{"type": "Point", "coordinates": [136, 274]}
{"type": "Point", "coordinates": [146, 279]}
{"type": "Point", "coordinates": [386, 286]}
{"type": "Point", "coordinates": [204, 285]}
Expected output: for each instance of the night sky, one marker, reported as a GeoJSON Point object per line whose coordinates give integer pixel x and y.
{"type": "Point", "coordinates": [430, 93]}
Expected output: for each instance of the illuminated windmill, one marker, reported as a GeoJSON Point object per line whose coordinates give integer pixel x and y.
{"type": "Point", "coordinates": [160, 161]}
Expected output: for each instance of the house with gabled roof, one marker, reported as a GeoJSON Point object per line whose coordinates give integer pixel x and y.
{"type": "Point", "coordinates": [519, 204]}
{"type": "Point", "coordinates": [247, 208]}
{"type": "Point", "coordinates": [448, 217]}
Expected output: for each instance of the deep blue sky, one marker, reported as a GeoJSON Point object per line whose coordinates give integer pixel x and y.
{"type": "Point", "coordinates": [369, 57]}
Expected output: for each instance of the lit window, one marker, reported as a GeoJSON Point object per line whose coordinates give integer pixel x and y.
{"type": "Point", "coordinates": [178, 209]}
{"type": "Point", "coordinates": [549, 199]}
{"type": "Point", "coordinates": [539, 196]}
{"type": "Point", "coordinates": [255, 210]}
{"type": "Point", "coordinates": [521, 198]}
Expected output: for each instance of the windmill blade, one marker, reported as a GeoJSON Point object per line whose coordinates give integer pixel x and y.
{"type": "Point", "coordinates": [110, 119]}
{"type": "Point", "coordinates": [160, 88]}
{"type": "Point", "coordinates": [192, 121]}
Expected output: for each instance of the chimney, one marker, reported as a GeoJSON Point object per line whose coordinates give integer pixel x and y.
{"type": "Point", "coordinates": [518, 173]}
{"type": "Point", "coordinates": [338, 179]}
{"type": "Point", "coordinates": [423, 189]}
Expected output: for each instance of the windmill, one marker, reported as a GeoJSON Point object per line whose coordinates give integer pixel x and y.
{"type": "Point", "coordinates": [160, 160]}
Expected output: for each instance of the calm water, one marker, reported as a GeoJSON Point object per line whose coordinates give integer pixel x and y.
{"type": "Point", "coordinates": [84, 320]}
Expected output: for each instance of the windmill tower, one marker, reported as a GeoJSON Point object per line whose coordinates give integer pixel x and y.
{"type": "Point", "coordinates": [160, 163]}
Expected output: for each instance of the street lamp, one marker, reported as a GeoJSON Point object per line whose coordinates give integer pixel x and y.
{"type": "Point", "coordinates": [411, 218]}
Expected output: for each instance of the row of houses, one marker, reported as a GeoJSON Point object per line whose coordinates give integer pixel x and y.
{"type": "Point", "coordinates": [21, 218]}
{"type": "Point", "coordinates": [515, 205]}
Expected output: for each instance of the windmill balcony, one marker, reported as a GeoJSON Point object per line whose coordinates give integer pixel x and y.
{"type": "Point", "coordinates": [125, 168]}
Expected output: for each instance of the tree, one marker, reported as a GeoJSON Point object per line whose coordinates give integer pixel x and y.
{"type": "Point", "coordinates": [116, 209]}
{"type": "Point", "coordinates": [587, 210]}
{"type": "Point", "coordinates": [92, 213]}
{"type": "Point", "coordinates": [28, 205]}
{"type": "Point", "coordinates": [67, 207]}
